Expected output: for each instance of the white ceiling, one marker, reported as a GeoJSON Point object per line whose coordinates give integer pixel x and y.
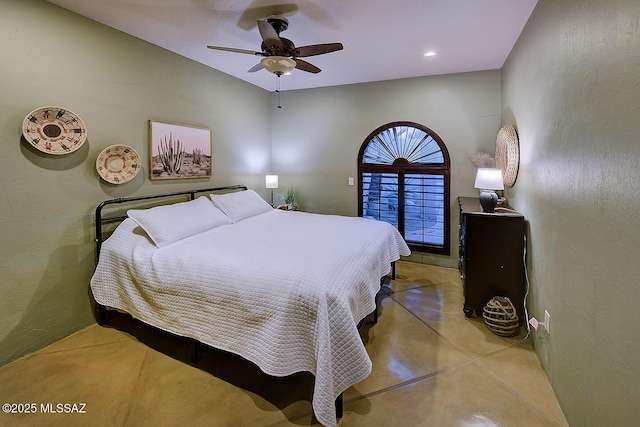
{"type": "Point", "coordinates": [383, 39]}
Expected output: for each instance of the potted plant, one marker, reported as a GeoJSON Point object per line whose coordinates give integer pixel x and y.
{"type": "Point", "coordinates": [290, 199]}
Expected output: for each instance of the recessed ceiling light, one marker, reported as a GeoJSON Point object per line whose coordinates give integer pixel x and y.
{"type": "Point", "coordinates": [430, 53]}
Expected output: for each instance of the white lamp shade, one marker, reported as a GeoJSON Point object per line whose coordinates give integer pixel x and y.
{"type": "Point", "coordinates": [278, 64]}
{"type": "Point", "coordinates": [271, 181]}
{"type": "Point", "coordinates": [489, 179]}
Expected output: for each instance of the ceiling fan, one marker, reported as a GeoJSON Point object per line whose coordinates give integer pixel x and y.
{"type": "Point", "coordinates": [281, 55]}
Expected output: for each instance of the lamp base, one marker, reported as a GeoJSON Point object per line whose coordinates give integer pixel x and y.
{"type": "Point", "coordinates": [488, 201]}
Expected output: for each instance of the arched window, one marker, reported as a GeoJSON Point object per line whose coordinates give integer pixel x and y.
{"type": "Point", "coordinates": [403, 170]}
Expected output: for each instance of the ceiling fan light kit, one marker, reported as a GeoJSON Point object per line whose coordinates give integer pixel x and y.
{"type": "Point", "coordinates": [278, 65]}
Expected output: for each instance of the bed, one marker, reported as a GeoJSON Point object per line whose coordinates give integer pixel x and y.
{"type": "Point", "coordinates": [283, 289]}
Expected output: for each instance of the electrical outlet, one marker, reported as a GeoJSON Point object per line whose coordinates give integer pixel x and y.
{"type": "Point", "coordinates": [350, 180]}
{"type": "Point", "coordinates": [547, 319]}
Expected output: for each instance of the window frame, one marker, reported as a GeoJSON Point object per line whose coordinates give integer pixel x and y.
{"type": "Point", "coordinates": [401, 167]}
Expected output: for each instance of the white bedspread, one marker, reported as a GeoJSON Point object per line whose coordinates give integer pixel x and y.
{"type": "Point", "coordinates": [284, 290]}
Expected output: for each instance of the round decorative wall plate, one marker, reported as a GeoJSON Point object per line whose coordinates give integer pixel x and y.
{"type": "Point", "coordinates": [54, 130]}
{"type": "Point", "coordinates": [118, 164]}
{"type": "Point", "coordinates": [508, 154]}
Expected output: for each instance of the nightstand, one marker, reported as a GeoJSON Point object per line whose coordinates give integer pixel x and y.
{"type": "Point", "coordinates": [491, 256]}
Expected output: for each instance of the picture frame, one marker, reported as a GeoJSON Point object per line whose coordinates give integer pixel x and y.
{"type": "Point", "coordinates": [179, 151]}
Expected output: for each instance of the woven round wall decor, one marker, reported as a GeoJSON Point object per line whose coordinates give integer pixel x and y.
{"type": "Point", "coordinates": [54, 130]}
{"type": "Point", "coordinates": [118, 164]}
{"type": "Point", "coordinates": [508, 154]}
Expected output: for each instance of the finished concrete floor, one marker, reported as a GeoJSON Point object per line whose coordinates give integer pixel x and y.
{"type": "Point", "coordinates": [431, 367]}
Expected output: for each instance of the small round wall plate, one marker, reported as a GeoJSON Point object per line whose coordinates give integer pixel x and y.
{"type": "Point", "coordinates": [54, 130]}
{"type": "Point", "coordinates": [118, 164]}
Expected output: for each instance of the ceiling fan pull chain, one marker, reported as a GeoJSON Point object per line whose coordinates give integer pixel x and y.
{"type": "Point", "coordinates": [278, 90]}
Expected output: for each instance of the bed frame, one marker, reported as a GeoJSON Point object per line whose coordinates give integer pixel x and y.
{"type": "Point", "coordinates": [101, 220]}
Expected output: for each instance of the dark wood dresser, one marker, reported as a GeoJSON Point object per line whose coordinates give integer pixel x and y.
{"type": "Point", "coordinates": [491, 256]}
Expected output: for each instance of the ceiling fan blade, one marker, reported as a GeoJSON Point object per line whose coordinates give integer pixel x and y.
{"type": "Point", "coordinates": [305, 66]}
{"type": "Point", "coordinates": [318, 49]}
{"type": "Point", "coordinates": [255, 68]}
{"type": "Point", "coordinates": [232, 49]}
{"type": "Point", "coordinates": [247, 20]}
{"type": "Point", "coordinates": [269, 35]}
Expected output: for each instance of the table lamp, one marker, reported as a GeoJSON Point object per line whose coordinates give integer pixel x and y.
{"type": "Point", "coordinates": [271, 181]}
{"type": "Point", "coordinates": [488, 180]}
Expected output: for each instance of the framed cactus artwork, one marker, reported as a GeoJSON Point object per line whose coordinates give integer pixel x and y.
{"type": "Point", "coordinates": [178, 151]}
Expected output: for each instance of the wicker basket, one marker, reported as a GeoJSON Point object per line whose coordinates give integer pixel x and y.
{"type": "Point", "coordinates": [500, 316]}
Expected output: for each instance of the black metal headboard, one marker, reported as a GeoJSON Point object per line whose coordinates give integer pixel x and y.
{"type": "Point", "coordinates": [100, 220]}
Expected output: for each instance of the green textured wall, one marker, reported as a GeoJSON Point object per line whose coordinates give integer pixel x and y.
{"type": "Point", "coordinates": [115, 83]}
{"type": "Point", "coordinates": [572, 88]}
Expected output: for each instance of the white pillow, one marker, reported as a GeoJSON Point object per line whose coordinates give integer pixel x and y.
{"type": "Point", "coordinates": [241, 204]}
{"type": "Point", "coordinates": [170, 223]}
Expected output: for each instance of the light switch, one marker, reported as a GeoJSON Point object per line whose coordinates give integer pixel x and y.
{"type": "Point", "coordinates": [350, 180]}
